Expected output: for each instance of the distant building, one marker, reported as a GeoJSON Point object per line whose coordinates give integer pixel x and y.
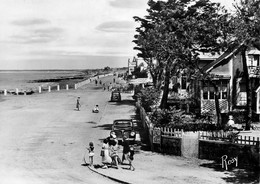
{"type": "Point", "coordinates": [132, 65]}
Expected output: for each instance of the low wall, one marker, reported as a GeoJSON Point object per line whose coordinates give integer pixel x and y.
{"type": "Point", "coordinates": [247, 155]}
{"type": "Point", "coordinates": [171, 145]}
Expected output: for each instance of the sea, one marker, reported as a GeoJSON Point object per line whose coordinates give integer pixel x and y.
{"type": "Point", "coordinates": [12, 79]}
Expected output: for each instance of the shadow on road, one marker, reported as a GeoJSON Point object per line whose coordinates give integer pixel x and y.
{"type": "Point", "coordinates": [124, 102]}
{"type": "Point", "coordinates": [236, 175]}
{"type": "Point", "coordinates": [104, 126]}
{"type": "Point", "coordinates": [91, 122]}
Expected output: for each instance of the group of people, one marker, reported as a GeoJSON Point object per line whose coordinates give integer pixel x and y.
{"type": "Point", "coordinates": [109, 152]}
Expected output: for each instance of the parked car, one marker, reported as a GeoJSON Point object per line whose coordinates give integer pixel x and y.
{"type": "Point", "coordinates": [115, 96]}
{"type": "Point", "coordinates": [125, 127]}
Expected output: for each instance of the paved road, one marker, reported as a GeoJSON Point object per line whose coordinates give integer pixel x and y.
{"type": "Point", "coordinates": [43, 138]}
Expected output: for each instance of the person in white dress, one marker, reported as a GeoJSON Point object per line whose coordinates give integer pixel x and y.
{"type": "Point", "coordinates": [106, 159]}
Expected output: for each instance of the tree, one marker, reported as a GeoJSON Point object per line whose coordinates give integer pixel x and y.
{"type": "Point", "coordinates": [174, 32]}
{"type": "Point", "coordinates": [107, 68]}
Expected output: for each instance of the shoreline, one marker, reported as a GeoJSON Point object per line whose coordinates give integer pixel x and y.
{"type": "Point", "coordinates": [62, 81]}
{"type": "Point", "coordinates": [45, 83]}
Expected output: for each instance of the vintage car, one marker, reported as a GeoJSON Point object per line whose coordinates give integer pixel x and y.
{"type": "Point", "coordinates": [115, 96]}
{"type": "Point", "coordinates": [125, 127]}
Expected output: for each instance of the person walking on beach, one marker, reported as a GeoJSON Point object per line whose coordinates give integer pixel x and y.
{"type": "Point", "coordinates": [78, 103]}
{"type": "Point", "coordinates": [91, 153]}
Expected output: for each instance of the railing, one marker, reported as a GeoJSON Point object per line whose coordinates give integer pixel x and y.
{"type": "Point", "coordinates": [170, 132]}
{"type": "Point", "coordinates": [229, 136]}
{"type": "Point", "coordinates": [254, 70]}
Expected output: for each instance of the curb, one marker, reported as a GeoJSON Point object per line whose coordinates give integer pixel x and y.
{"type": "Point", "coordinates": [111, 178]}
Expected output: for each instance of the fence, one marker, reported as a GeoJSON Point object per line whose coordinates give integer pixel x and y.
{"type": "Point", "coordinates": [229, 137]}
{"type": "Point", "coordinates": [170, 132]}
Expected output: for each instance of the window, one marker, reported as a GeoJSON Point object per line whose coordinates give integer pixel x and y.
{"type": "Point", "coordinates": [209, 92]}
{"type": "Point", "coordinates": [183, 82]}
{"type": "Point", "coordinates": [241, 92]}
{"type": "Point", "coordinates": [256, 59]}
{"type": "Point", "coordinates": [223, 90]}
{"type": "Point", "coordinates": [205, 93]}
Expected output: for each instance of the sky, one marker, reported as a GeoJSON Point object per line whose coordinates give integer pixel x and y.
{"type": "Point", "coordinates": [69, 34]}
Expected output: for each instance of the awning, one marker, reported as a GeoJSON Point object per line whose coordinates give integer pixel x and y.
{"type": "Point", "coordinates": [140, 81]}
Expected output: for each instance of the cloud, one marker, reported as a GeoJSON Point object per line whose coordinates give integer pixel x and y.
{"type": "Point", "coordinates": [116, 26]}
{"type": "Point", "coordinates": [30, 22]}
{"type": "Point", "coordinates": [43, 35]}
{"type": "Point", "coordinates": [128, 3]}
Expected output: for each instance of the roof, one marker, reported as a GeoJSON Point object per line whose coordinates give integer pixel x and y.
{"type": "Point", "coordinates": [254, 52]}
{"type": "Point", "coordinates": [257, 90]}
{"type": "Point", "coordinates": [233, 49]}
{"type": "Point", "coordinates": [207, 56]}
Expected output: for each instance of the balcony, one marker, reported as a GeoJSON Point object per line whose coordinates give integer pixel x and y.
{"type": "Point", "coordinates": [254, 71]}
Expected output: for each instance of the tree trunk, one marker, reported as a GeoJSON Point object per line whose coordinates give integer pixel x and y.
{"type": "Point", "coordinates": [165, 89]}
{"type": "Point", "coordinates": [248, 90]}
{"type": "Point", "coordinates": [219, 118]}
{"type": "Point", "coordinates": [154, 78]}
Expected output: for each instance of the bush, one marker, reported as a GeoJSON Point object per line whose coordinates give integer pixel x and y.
{"type": "Point", "coordinates": [195, 126]}
{"type": "Point", "coordinates": [178, 119]}
{"type": "Point", "coordinates": [148, 97]}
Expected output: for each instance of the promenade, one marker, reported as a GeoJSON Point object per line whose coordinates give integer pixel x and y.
{"type": "Point", "coordinates": [44, 139]}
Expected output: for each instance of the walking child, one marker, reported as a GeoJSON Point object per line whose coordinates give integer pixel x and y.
{"type": "Point", "coordinates": [78, 103]}
{"type": "Point", "coordinates": [132, 152]}
{"type": "Point", "coordinates": [91, 153]}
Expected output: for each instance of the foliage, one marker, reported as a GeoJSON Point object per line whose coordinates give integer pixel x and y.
{"type": "Point", "coordinates": [195, 127]}
{"type": "Point", "coordinates": [107, 68]}
{"type": "Point", "coordinates": [149, 97]}
{"type": "Point", "coordinates": [239, 116]}
{"type": "Point", "coordinates": [173, 33]}
{"type": "Point", "coordinates": [161, 117]}
{"type": "Point", "coordinates": [177, 119]}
